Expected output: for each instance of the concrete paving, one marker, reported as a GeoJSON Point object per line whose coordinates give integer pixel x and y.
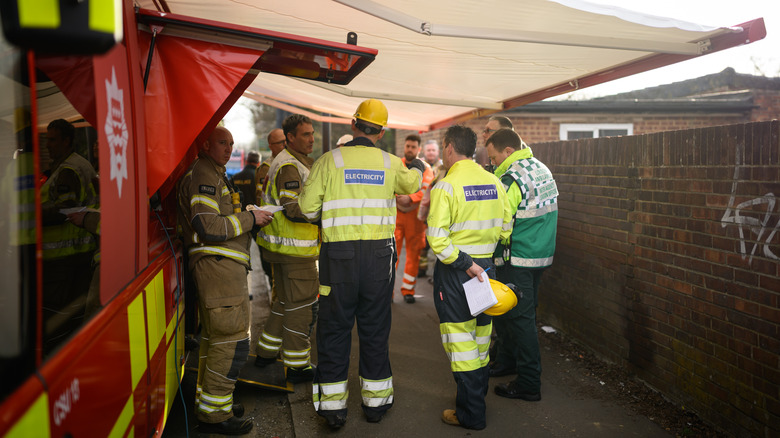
{"type": "Point", "coordinates": [424, 387]}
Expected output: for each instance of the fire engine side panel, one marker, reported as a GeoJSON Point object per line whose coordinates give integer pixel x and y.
{"type": "Point", "coordinates": [100, 383]}
{"type": "Point", "coordinates": [93, 373]}
{"type": "Point", "coordinates": [118, 188]}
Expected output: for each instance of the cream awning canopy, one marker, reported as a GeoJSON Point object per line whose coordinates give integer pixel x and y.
{"type": "Point", "coordinates": [441, 62]}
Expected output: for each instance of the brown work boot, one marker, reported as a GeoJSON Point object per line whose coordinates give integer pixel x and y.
{"type": "Point", "coordinates": [449, 417]}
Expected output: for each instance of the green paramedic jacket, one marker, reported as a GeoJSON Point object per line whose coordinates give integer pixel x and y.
{"type": "Point", "coordinates": [531, 187]}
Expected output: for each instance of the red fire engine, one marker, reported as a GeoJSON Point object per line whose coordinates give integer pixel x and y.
{"type": "Point", "coordinates": [141, 104]}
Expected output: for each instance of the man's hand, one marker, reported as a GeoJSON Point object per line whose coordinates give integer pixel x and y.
{"type": "Point", "coordinates": [77, 218]}
{"type": "Point", "coordinates": [404, 203]}
{"type": "Point", "coordinates": [476, 271]}
{"type": "Point", "coordinates": [262, 217]}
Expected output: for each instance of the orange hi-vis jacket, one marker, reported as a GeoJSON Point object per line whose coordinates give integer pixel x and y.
{"type": "Point", "coordinates": [411, 229]}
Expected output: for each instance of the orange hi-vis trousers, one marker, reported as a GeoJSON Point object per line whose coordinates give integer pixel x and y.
{"type": "Point", "coordinates": [412, 230]}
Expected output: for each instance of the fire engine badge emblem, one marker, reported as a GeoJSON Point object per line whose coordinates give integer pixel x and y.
{"type": "Point", "coordinates": [116, 131]}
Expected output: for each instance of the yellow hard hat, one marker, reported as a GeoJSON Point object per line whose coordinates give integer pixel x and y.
{"type": "Point", "coordinates": [507, 299]}
{"type": "Point", "coordinates": [372, 111]}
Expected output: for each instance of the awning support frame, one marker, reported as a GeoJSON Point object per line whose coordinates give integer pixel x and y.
{"type": "Point", "coordinates": [518, 35]}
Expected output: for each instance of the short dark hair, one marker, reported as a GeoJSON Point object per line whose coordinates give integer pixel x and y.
{"type": "Point", "coordinates": [291, 122]}
{"type": "Point", "coordinates": [413, 137]}
{"type": "Point", "coordinates": [65, 129]}
{"type": "Point", "coordinates": [463, 139]}
{"type": "Point", "coordinates": [367, 128]}
{"type": "Point", "coordinates": [253, 157]}
{"type": "Point", "coordinates": [503, 122]}
{"type": "Point", "coordinates": [505, 138]}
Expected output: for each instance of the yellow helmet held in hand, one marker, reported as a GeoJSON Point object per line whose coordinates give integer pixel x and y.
{"type": "Point", "coordinates": [372, 111]}
{"type": "Point", "coordinates": [506, 297]}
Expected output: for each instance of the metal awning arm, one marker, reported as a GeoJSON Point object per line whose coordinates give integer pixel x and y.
{"type": "Point", "coordinates": [517, 35]}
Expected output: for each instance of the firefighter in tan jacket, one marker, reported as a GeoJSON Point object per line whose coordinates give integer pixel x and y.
{"type": "Point", "coordinates": [216, 235]}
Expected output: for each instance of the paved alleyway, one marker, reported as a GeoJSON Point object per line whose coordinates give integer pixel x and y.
{"type": "Point", "coordinates": [424, 387]}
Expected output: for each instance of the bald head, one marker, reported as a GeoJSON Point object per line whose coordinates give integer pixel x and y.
{"type": "Point", "coordinates": [276, 141]}
{"type": "Point", "coordinates": [219, 146]}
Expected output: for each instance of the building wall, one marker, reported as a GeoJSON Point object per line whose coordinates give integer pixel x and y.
{"type": "Point", "coordinates": [535, 128]}
{"type": "Point", "coordinates": [667, 264]}
{"type": "Point", "coordinates": [768, 103]}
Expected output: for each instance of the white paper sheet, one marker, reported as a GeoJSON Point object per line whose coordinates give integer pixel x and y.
{"type": "Point", "coordinates": [269, 208]}
{"type": "Point", "coordinates": [479, 295]}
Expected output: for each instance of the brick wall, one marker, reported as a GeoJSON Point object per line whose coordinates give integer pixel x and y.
{"type": "Point", "coordinates": [768, 103]}
{"type": "Point", "coordinates": [535, 128]}
{"type": "Point", "coordinates": [667, 264]}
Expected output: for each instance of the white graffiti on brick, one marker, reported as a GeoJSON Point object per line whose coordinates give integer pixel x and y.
{"type": "Point", "coordinates": [758, 226]}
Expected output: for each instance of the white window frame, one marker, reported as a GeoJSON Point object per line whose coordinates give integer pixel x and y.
{"type": "Point", "coordinates": [593, 127]}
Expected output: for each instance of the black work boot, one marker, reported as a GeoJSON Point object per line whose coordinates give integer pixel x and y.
{"type": "Point", "coordinates": [231, 426]}
{"type": "Point", "coordinates": [262, 362]}
{"type": "Point", "coordinates": [298, 375]}
{"type": "Point", "coordinates": [335, 421]}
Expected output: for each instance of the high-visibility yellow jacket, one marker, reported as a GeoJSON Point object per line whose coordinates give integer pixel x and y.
{"type": "Point", "coordinates": [69, 186]}
{"type": "Point", "coordinates": [208, 224]}
{"type": "Point", "coordinates": [19, 175]}
{"type": "Point", "coordinates": [469, 213]}
{"type": "Point", "coordinates": [288, 233]}
{"type": "Point", "coordinates": [352, 189]}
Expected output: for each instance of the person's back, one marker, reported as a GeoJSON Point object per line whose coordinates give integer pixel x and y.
{"type": "Point", "coordinates": [352, 190]}
{"type": "Point", "coordinates": [363, 181]}
{"type": "Point", "coordinates": [467, 181]}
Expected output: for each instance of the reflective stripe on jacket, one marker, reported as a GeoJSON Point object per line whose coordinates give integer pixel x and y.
{"type": "Point", "coordinates": [209, 226]}
{"type": "Point", "coordinates": [469, 212]}
{"type": "Point", "coordinates": [283, 236]}
{"type": "Point", "coordinates": [67, 239]}
{"type": "Point", "coordinates": [352, 189]}
{"type": "Point", "coordinates": [531, 187]}
{"type": "Point", "coordinates": [21, 170]}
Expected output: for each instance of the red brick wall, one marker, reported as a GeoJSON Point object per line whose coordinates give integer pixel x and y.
{"type": "Point", "coordinates": [648, 125]}
{"type": "Point", "coordinates": [541, 128]}
{"type": "Point", "coordinates": [768, 103]}
{"type": "Point", "coordinates": [535, 128]}
{"type": "Point", "coordinates": [667, 263]}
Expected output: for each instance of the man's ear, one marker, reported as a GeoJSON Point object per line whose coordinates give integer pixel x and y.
{"type": "Point", "coordinates": [381, 134]}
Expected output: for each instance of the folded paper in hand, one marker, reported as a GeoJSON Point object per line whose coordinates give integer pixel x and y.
{"type": "Point", "coordinates": [269, 208]}
{"type": "Point", "coordinates": [479, 295]}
